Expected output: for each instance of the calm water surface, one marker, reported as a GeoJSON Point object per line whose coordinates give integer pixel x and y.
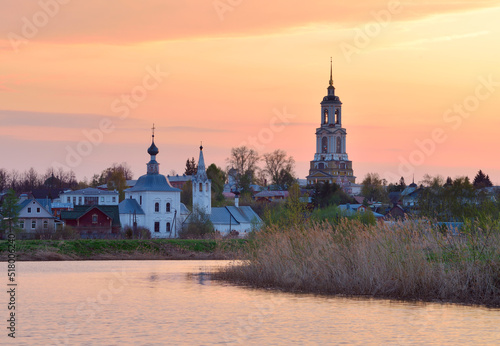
{"type": "Point", "coordinates": [158, 303]}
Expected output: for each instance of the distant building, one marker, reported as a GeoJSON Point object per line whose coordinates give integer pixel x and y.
{"type": "Point", "coordinates": [50, 193]}
{"type": "Point", "coordinates": [271, 196]}
{"type": "Point", "coordinates": [157, 205]}
{"type": "Point", "coordinates": [241, 219]}
{"type": "Point", "coordinates": [95, 221]}
{"type": "Point", "coordinates": [178, 181]}
{"type": "Point", "coordinates": [58, 207]}
{"type": "Point", "coordinates": [226, 220]}
{"type": "Point", "coordinates": [90, 196]}
{"type": "Point", "coordinates": [410, 200]}
{"type": "Point", "coordinates": [396, 213]}
{"type": "Point", "coordinates": [35, 216]}
{"type": "Point", "coordinates": [331, 162]}
{"type": "Point", "coordinates": [129, 183]}
{"type": "Point", "coordinates": [352, 209]}
{"type": "Point", "coordinates": [202, 187]}
{"type": "Point", "coordinates": [153, 203]}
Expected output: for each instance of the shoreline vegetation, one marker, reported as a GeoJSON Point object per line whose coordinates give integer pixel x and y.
{"type": "Point", "coordinates": [123, 249]}
{"type": "Point", "coordinates": [408, 261]}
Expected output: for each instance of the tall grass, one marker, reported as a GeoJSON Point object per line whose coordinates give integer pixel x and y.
{"type": "Point", "coordinates": [410, 261]}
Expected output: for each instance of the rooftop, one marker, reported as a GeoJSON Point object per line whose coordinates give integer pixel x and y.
{"type": "Point", "coordinates": [90, 191]}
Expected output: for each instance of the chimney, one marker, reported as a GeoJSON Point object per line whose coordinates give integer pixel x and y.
{"type": "Point", "coordinates": [236, 199]}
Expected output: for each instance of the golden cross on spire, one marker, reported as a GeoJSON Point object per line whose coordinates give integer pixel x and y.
{"type": "Point", "coordinates": [153, 129]}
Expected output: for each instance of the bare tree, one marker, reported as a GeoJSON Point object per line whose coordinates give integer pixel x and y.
{"type": "Point", "coordinates": [14, 180]}
{"type": "Point", "coordinates": [62, 177]}
{"type": "Point", "coordinates": [243, 161]}
{"type": "Point", "coordinates": [4, 179]}
{"type": "Point", "coordinates": [279, 168]}
{"type": "Point", "coordinates": [31, 179]}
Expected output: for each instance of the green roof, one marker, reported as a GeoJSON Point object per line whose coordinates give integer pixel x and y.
{"type": "Point", "coordinates": [78, 211]}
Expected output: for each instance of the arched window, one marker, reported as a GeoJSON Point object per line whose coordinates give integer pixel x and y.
{"type": "Point", "coordinates": [339, 145]}
{"type": "Point", "coordinates": [337, 120]}
{"type": "Point", "coordinates": [157, 207]}
{"type": "Point", "coordinates": [324, 145]}
{"type": "Point", "coordinates": [326, 117]}
{"type": "Point", "coordinates": [168, 226]}
{"type": "Point", "coordinates": [168, 207]}
{"type": "Point", "coordinates": [201, 187]}
{"type": "Point", "coordinates": [45, 224]}
{"type": "Point", "coordinates": [321, 165]}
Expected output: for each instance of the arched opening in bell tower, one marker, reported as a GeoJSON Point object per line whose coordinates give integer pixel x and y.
{"type": "Point", "coordinates": [325, 118]}
{"type": "Point", "coordinates": [324, 145]}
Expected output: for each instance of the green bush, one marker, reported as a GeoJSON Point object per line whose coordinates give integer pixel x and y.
{"type": "Point", "coordinates": [198, 227]}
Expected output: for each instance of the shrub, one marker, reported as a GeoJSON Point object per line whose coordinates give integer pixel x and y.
{"type": "Point", "coordinates": [198, 226]}
{"type": "Point", "coordinates": [67, 232]}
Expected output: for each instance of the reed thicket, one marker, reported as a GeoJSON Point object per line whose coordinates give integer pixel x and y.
{"type": "Point", "coordinates": [411, 261]}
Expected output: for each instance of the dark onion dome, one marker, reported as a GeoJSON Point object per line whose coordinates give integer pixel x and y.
{"type": "Point", "coordinates": [153, 150]}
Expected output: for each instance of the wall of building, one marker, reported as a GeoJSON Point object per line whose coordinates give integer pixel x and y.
{"type": "Point", "coordinates": [147, 203]}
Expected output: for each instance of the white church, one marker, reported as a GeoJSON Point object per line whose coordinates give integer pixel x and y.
{"type": "Point", "coordinates": [154, 204]}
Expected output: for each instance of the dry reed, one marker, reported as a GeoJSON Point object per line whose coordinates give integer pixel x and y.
{"type": "Point", "coordinates": [409, 261]}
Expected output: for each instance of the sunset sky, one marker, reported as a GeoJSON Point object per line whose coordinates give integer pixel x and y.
{"type": "Point", "coordinates": [419, 82]}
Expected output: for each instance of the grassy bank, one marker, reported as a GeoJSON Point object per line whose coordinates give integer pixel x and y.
{"type": "Point", "coordinates": [410, 261]}
{"type": "Point", "coordinates": [96, 249]}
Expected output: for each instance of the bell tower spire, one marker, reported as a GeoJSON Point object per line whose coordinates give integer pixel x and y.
{"type": "Point", "coordinates": [331, 88]}
{"type": "Point", "coordinates": [331, 72]}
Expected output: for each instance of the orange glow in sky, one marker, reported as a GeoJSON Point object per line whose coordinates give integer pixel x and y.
{"type": "Point", "coordinates": [419, 82]}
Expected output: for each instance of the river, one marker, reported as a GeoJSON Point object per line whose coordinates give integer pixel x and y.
{"type": "Point", "coordinates": [159, 303]}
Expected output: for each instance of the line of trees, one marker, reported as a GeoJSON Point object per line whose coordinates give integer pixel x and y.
{"type": "Point", "coordinates": [456, 199]}
{"type": "Point", "coordinates": [277, 169]}
{"type": "Point", "coordinates": [31, 179]}
{"type": "Point", "coordinates": [246, 167]}
{"type": "Point", "coordinates": [115, 177]}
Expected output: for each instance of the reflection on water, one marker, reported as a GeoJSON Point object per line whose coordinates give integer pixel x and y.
{"type": "Point", "coordinates": [157, 303]}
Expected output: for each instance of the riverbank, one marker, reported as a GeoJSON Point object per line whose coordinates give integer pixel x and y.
{"type": "Point", "coordinates": [123, 249]}
{"type": "Point", "coordinates": [410, 261]}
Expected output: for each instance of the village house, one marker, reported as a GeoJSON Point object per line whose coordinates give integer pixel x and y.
{"type": "Point", "coordinates": [35, 217]}
{"type": "Point", "coordinates": [226, 220]}
{"type": "Point", "coordinates": [90, 196]}
{"type": "Point", "coordinates": [271, 196]}
{"type": "Point", "coordinates": [94, 221]}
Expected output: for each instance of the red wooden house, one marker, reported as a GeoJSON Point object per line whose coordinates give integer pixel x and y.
{"type": "Point", "coordinates": [97, 221]}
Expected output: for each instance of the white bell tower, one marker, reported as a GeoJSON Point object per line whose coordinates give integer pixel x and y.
{"type": "Point", "coordinates": [331, 162]}
{"type": "Point", "coordinates": [202, 188]}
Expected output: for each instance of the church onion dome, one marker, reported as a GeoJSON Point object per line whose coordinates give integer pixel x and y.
{"type": "Point", "coordinates": [153, 150]}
